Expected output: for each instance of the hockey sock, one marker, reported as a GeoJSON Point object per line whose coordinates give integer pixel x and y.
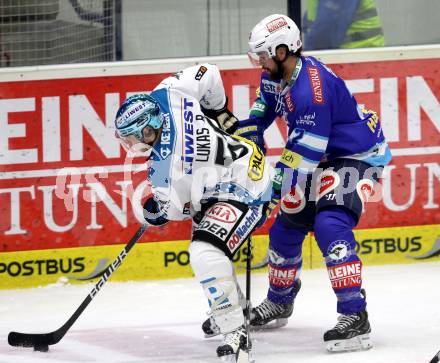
{"type": "Point", "coordinates": [285, 261]}
{"type": "Point", "coordinates": [333, 231]}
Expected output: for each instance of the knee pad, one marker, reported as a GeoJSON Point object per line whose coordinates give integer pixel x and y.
{"type": "Point", "coordinates": [215, 273]}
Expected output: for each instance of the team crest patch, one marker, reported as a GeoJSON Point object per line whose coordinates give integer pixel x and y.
{"type": "Point", "coordinates": [338, 251]}
{"type": "Point", "coordinates": [275, 258]}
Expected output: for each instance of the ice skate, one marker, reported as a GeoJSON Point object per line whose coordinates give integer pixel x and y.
{"type": "Point", "coordinates": [210, 328]}
{"type": "Point", "coordinates": [270, 312]}
{"type": "Point", "coordinates": [269, 315]}
{"type": "Point", "coordinates": [234, 347]}
{"type": "Point", "coordinates": [349, 334]}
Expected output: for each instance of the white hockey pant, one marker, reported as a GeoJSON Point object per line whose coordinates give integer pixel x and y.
{"type": "Point", "coordinates": [216, 273]}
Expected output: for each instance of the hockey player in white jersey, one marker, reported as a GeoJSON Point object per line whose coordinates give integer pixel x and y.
{"type": "Point", "coordinates": [199, 171]}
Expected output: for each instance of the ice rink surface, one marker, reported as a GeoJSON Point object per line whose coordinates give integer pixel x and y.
{"type": "Point", "coordinates": [160, 321]}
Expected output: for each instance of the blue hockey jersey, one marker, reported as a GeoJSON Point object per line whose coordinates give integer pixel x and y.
{"type": "Point", "coordinates": [323, 118]}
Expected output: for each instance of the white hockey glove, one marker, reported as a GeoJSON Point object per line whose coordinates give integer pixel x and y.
{"type": "Point", "coordinates": [225, 119]}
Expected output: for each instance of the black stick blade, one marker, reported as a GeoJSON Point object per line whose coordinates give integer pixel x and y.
{"type": "Point", "coordinates": [30, 340]}
{"type": "Point", "coordinates": [436, 358]}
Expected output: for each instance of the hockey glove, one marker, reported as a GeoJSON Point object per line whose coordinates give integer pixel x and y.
{"type": "Point", "coordinates": [275, 197]}
{"type": "Point", "coordinates": [276, 190]}
{"type": "Point", "coordinates": [250, 130]}
{"type": "Point", "coordinates": [152, 213]}
{"type": "Point", "coordinates": [225, 119]}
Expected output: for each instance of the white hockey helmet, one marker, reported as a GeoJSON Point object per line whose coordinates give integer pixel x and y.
{"type": "Point", "coordinates": [272, 31]}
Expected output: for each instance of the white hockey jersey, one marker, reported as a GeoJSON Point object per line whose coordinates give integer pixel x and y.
{"type": "Point", "coordinates": [194, 160]}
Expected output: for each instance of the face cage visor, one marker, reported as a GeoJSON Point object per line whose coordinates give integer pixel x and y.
{"type": "Point", "coordinates": [259, 58]}
{"type": "Point", "coordinates": [138, 144]}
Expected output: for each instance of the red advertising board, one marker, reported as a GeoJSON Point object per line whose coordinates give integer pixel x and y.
{"type": "Point", "coordinates": [49, 125]}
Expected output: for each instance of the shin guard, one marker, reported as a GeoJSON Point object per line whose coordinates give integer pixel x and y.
{"type": "Point", "coordinates": [216, 274]}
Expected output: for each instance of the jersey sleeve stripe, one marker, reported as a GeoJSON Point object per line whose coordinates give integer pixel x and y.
{"type": "Point", "coordinates": [307, 166]}
{"type": "Point", "coordinates": [314, 142]}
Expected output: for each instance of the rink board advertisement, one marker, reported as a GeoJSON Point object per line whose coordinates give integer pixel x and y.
{"type": "Point", "coordinates": [67, 192]}
{"type": "Point", "coordinates": [170, 259]}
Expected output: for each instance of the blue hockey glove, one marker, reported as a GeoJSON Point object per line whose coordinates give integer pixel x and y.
{"type": "Point", "coordinates": [152, 213]}
{"type": "Point", "coordinates": [275, 197]}
{"type": "Point", "coordinates": [250, 130]}
{"type": "Point", "coordinates": [277, 183]}
{"type": "Point", "coordinates": [268, 209]}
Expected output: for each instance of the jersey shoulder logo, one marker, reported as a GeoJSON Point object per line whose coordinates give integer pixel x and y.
{"type": "Point", "coordinates": [202, 70]}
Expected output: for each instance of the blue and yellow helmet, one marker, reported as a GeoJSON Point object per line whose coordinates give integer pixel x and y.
{"type": "Point", "coordinates": [136, 113]}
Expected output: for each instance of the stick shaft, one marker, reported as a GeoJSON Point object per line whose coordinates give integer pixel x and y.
{"type": "Point", "coordinates": [31, 340]}
{"type": "Point", "coordinates": [248, 292]}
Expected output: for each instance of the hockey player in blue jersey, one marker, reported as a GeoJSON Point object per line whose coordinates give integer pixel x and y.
{"type": "Point", "coordinates": [331, 163]}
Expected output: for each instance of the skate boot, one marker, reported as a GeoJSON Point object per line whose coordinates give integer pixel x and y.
{"type": "Point", "coordinates": [269, 311]}
{"type": "Point", "coordinates": [234, 344]}
{"type": "Point", "coordinates": [350, 333]}
{"type": "Point", "coordinates": [210, 328]}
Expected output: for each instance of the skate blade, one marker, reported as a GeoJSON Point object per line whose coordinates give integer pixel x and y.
{"type": "Point", "coordinates": [274, 324]}
{"type": "Point", "coordinates": [211, 335]}
{"type": "Point", "coordinates": [361, 342]}
{"type": "Point", "coordinates": [242, 357]}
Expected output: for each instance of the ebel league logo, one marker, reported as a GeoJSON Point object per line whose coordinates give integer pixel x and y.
{"type": "Point", "coordinates": [433, 252]}
{"type": "Point", "coordinates": [97, 272]}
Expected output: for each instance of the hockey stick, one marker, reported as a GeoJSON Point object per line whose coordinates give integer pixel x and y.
{"type": "Point", "coordinates": [436, 358]}
{"type": "Point", "coordinates": [247, 357]}
{"type": "Point", "coordinates": [42, 341]}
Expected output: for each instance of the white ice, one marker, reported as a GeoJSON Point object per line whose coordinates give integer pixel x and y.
{"type": "Point", "coordinates": [160, 321]}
